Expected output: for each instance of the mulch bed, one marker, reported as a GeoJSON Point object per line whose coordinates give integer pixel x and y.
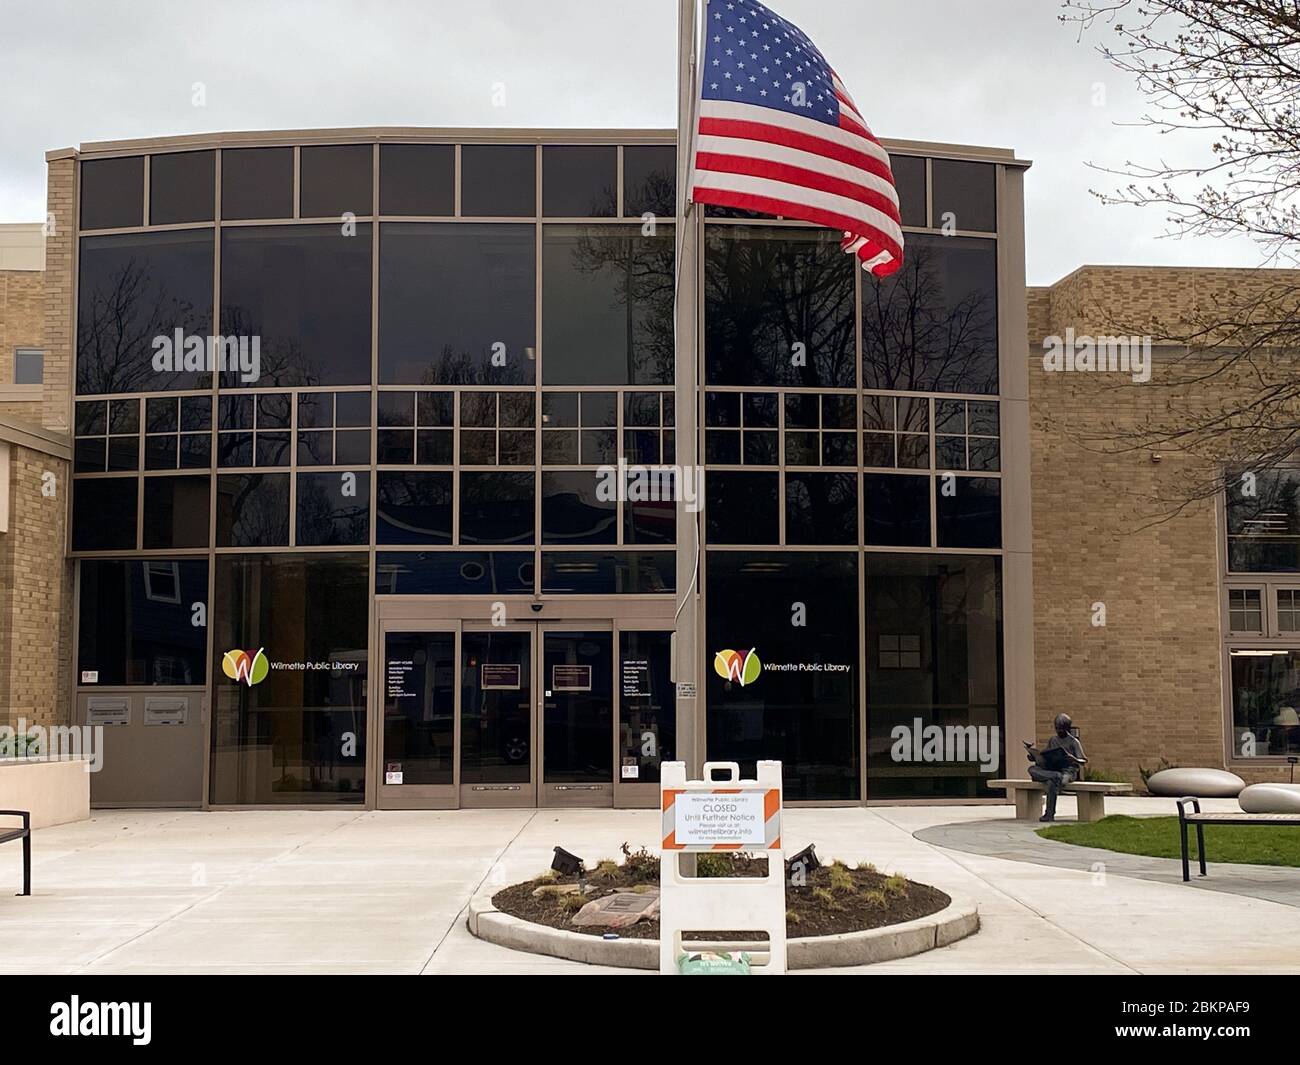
{"type": "Point", "coordinates": [834, 899]}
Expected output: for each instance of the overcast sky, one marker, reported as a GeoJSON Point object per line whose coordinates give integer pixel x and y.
{"type": "Point", "coordinates": [999, 72]}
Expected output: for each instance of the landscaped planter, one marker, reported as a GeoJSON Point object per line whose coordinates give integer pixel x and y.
{"type": "Point", "coordinates": [958, 920]}
{"type": "Point", "coordinates": [56, 792]}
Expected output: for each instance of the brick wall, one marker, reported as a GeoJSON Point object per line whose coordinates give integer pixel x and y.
{"type": "Point", "coordinates": [59, 248]}
{"type": "Point", "coordinates": [1148, 683]}
{"type": "Point", "coordinates": [35, 592]}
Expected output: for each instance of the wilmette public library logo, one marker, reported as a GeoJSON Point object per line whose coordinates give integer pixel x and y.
{"type": "Point", "coordinates": [253, 667]}
{"type": "Point", "coordinates": [179, 353]}
{"type": "Point", "coordinates": [248, 667]}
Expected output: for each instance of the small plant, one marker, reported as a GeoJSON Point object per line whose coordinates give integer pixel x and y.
{"type": "Point", "coordinates": [641, 866]}
{"type": "Point", "coordinates": [895, 886]}
{"type": "Point", "coordinates": [791, 917]}
{"type": "Point", "coordinates": [842, 882]}
{"type": "Point", "coordinates": [823, 896]}
{"type": "Point", "coordinates": [572, 902]}
{"type": "Point", "coordinates": [606, 871]}
{"type": "Point", "coordinates": [642, 889]}
{"type": "Point", "coordinates": [874, 897]}
{"type": "Point", "coordinates": [866, 867]}
{"type": "Point", "coordinates": [713, 865]}
{"type": "Point", "coordinates": [548, 877]}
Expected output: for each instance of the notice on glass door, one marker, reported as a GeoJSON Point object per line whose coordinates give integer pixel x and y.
{"type": "Point", "coordinates": [636, 678]}
{"type": "Point", "coordinates": [500, 676]}
{"type": "Point", "coordinates": [398, 679]}
{"type": "Point", "coordinates": [568, 678]}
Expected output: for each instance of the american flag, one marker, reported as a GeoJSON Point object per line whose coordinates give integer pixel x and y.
{"type": "Point", "coordinates": [779, 134]}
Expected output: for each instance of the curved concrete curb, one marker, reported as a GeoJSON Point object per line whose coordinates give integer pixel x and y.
{"type": "Point", "coordinates": [957, 921]}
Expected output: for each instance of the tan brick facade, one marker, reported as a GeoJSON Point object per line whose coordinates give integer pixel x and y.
{"type": "Point", "coordinates": [1148, 684]}
{"type": "Point", "coordinates": [35, 591]}
{"type": "Point", "coordinates": [36, 577]}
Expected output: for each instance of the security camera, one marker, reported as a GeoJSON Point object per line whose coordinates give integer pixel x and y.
{"type": "Point", "coordinates": [537, 607]}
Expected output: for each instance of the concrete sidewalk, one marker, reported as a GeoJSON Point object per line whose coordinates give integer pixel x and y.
{"type": "Point", "coordinates": [296, 891]}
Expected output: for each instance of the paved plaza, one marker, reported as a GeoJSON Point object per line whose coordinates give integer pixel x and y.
{"type": "Point", "coordinates": [309, 891]}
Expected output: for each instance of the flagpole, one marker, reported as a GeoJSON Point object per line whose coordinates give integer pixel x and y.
{"type": "Point", "coordinates": [690, 726]}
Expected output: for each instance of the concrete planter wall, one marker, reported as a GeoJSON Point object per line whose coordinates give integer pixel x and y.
{"type": "Point", "coordinates": [958, 920]}
{"type": "Point", "coordinates": [56, 791]}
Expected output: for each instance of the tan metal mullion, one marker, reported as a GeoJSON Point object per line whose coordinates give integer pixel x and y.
{"type": "Point", "coordinates": [297, 181]}
{"type": "Point", "coordinates": [455, 211]}
{"type": "Point", "coordinates": [538, 371]}
{"type": "Point", "coordinates": [147, 170]}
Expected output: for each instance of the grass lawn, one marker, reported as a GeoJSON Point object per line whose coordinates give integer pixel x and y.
{"type": "Point", "coordinates": [1158, 837]}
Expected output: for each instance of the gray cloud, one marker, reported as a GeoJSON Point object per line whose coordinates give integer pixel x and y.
{"type": "Point", "coordinates": [1001, 72]}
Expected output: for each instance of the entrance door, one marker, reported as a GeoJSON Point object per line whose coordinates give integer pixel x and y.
{"type": "Point", "coordinates": [527, 714]}
{"type": "Point", "coordinates": [498, 728]}
{"type": "Point", "coordinates": [577, 750]}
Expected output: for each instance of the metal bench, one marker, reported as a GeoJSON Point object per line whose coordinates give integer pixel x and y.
{"type": "Point", "coordinates": [24, 834]}
{"type": "Point", "coordinates": [1230, 818]}
{"type": "Point", "coordinates": [1028, 796]}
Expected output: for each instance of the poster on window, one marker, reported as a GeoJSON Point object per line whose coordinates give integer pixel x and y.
{"type": "Point", "coordinates": [570, 678]}
{"type": "Point", "coordinates": [500, 676]}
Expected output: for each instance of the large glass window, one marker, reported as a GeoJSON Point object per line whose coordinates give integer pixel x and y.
{"type": "Point", "coordinates": [1263, 512]}
{"type": "Point", "coordinates": [297, 732]}
{"type": "Point", "coordinates": [336, 179]}
{"type": "Point", "coordinates": [182, 187]}
{"type": "Point", "coordinates": [304, 293]}
{"type": "Point", "coordinates": [112, 192]}
{"type": "Point", "coordinates": [136, 622]}
{"type": "Point", "coordinates": [782, 680]}
{"type": "Point", "coordinates": [253, 510]}
{"type": "Point", "coordinates": [1265, 695]}
{"type": "Point", "coordinates": [933, 326]}
{"type": "Point", "coordinates": [579, 181]}
{"type": "Point", "coordinates": [607, 299]}
{"type": "Point", "coordinates": [137, 294]}
{"type": "Point", "coordinates": [104, 513]}
{"type": "Point", "coordinates": [257, 183]}
{"type": "Point", "coordinates": [333, 508]}
{"type": "Point", "coordinates": [176, 512]}
{"type": "Point", "coordinates": [497, 508]}
{"type": "Point", "coordinates": [498, 180]}
{"type": "Point", "coordinates": [575, 511]}
{"type": "Point", "coordinates": [608, 573]}
{"type": "Point", "coordinates": [742, 508]}
{"type": "Point", "coordinates": [778, 305]}
{"type": "Point", "coordinates": [454, 573]}
{"type": "Point", "coordinates": [650, 180]}
{"type": "Point", "coordinates": [414, 507]}
{"type": "Point", "coordinates": [417, 179]}
{"type": "Point", "coordinates": [457, 303]}
{"type": "Point", "coordinates": [934, 675]}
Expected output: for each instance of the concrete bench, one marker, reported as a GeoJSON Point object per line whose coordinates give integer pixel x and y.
{"type": "Point", "coordinates": [1028, 796]}
{"type": "Point", "coordinates": [1200, 820]}
{"type": "Point", "coordinates": [8, 833]}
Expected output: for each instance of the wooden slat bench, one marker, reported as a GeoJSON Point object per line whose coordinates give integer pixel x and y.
{"type": "Point", "coordinates": [1200, 820]}
{"type": "Point", "coordinates": [9, 833]}
{"type": "Point", "coordinates": [1028, 796]}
